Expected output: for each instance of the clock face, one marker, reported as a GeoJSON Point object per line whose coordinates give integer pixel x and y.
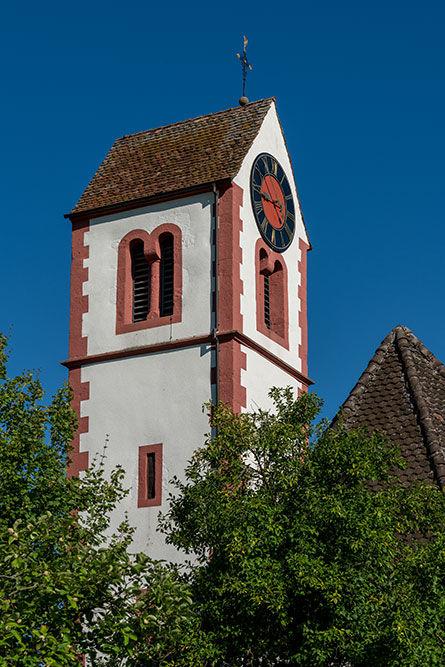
{"type": "Point", "coordinates": [272, 202]}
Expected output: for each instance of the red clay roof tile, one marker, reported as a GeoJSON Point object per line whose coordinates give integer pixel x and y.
{"type": "Point", "coordinates": [170, 158]}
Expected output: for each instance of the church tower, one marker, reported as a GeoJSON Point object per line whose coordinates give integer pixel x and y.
{"type": "Point", "coordinates": [188, 283]}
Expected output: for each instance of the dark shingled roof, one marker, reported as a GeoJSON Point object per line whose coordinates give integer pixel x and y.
{"type": "Point", "coordinates": [402, 392]}
{"type": "Point", "coordinates": [186, 154]}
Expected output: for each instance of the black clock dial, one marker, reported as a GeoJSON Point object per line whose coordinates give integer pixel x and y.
{"type": "Point", "coordinates": [272, 202]}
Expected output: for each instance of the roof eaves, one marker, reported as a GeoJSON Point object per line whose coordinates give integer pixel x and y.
{"type": "Point", "coordinates": [144, 201]}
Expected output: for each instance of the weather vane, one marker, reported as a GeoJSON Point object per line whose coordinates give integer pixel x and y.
{"type": "Point", "coordinates": [245, 64]}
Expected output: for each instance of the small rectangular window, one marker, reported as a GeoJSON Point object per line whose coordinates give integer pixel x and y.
{"type": "Point", "coordinates": [150, 475]}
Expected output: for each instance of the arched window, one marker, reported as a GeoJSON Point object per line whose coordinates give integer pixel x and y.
{"type": "Point", "coordinates": [149, 279]}
{"type": "Point", "coordinates": [272, 296]}
{"type": "Point", "coordinates": [140, 272]}
{"type": "Point", "coordinates": [167, 275]}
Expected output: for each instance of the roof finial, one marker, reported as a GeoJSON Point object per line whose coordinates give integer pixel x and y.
{"type": "Point", "coordinates": [244, 100]}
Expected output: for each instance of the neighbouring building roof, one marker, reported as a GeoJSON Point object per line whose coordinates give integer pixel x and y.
{"type": "Point", "coordinates": [402, 392]}
{"type": "Point", "coordinates": [186, 154]}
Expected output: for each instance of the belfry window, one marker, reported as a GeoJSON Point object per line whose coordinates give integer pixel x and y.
{"type": "Point", "coordinates": [140, 272]}
{"type": "Point", "coordinates": [272, 295]}
{"type": "Point", "coordinates": [167, 275]}
{"type": "Point", "coordinates": [149, 279]}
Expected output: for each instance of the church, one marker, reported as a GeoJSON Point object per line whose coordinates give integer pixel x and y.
{"type": "Point", "coordinates": [188, 285]}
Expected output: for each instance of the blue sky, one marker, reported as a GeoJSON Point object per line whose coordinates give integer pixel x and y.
{"type": "Point", "coordinates": [360, 94]}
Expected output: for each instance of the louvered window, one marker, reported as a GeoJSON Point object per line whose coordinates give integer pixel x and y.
{"type": "Point", "coordinates": [166, 294]}
{"type": "Point", "coordinates": [267, 300]}
{"type": "Point", "coordinates": [140, 271]}
{"type": "Point", "coordinates": [151, 476]}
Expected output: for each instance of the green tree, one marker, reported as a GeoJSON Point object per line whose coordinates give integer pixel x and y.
{"type": "Point", "coordinates": [308, 551]}
{"type": "Point", "coordinates": [67, 587]}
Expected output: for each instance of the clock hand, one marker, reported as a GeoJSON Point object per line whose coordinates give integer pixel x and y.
{"type": "Point", "coordinates": [276, 202]}
{"type": "Point", "coordinates": [280, 212]}
{"type": "Point", "coordinates": [266, 196]}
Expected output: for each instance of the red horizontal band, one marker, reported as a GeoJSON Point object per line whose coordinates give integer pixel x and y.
{"type": "Point", "coordinates": [222, 336]}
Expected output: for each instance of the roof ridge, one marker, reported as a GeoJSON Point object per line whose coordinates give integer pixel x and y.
{"type": "Point", "coordinates": [403, 345]}
{"type": "Point", "coordinates": [188, 120]}
{"type": "Point", "coordinates": [423, 349]}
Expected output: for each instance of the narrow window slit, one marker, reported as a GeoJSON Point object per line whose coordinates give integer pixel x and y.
{"type": "Point", "coordinates": [151, 476]}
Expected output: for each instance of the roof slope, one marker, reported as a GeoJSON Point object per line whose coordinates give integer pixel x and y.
{"type": "Point", "coordinates": [402, 392]}
{"type": "Point", "coordinates": [185, 154]}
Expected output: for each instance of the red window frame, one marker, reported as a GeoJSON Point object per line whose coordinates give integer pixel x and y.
{"type": "Point", "coordinates": [143, 499]}
{"type": "Point", "coordinates": [271, 263]}
{"type": "Point", "coordinates": [124, 288]}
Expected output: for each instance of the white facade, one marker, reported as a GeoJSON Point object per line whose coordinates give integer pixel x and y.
{"type": "Point", "coordinates": [146, 400]}
{"type": "Point", "coordinates": [193, 216]}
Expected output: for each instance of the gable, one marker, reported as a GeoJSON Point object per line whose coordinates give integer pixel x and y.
{"type": "Point", "coordinates": [270, 139]}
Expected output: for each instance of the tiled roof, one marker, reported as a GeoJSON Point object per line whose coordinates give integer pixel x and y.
{"type": "Point", "coordinates": [185, 154]}
{"type": "Point", "coordinates": [402, 392]}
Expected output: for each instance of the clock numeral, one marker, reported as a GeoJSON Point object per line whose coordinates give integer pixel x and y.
{"type": "Point", "coordinates": [266, 164]}
{"type": "Point", "coordinates": [288, 197]}
{"type": "Point", "coordinates": [261, 217]}
{"type": "Point", "coordinates": [258, 207]}
{"type": "Point", "coordinates": [272, 236]}
{"type": "Point", "coordinates": [291, 216]}
{"type": "Point", "coordinates": [257, 187]}
{"type": "Point", "coordinates": [257, 176]}
{"type": "Point", "coordinates": [274, 168]}
{"type": "Point", "coordinates": [280, 244]}
{"type": "Point", "coordinates": [287, 229]}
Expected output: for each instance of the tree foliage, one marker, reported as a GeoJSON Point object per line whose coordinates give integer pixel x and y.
{"type": "Point", "coordinates": [67, 587]}
{"type": "Point", "coordinates": [304, 548]}
{"type": "Point", "coordinates": [308, 550]}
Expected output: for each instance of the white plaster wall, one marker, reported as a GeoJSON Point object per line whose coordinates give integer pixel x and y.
{"type": "Point", "coordinates": [269, 140]}
{"type": "Point", "coordinates": [147, 400]}
{"type": "Point", "coordinates": [259, 377]}
{"type": "Point", "coordinates": [193, 216]}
